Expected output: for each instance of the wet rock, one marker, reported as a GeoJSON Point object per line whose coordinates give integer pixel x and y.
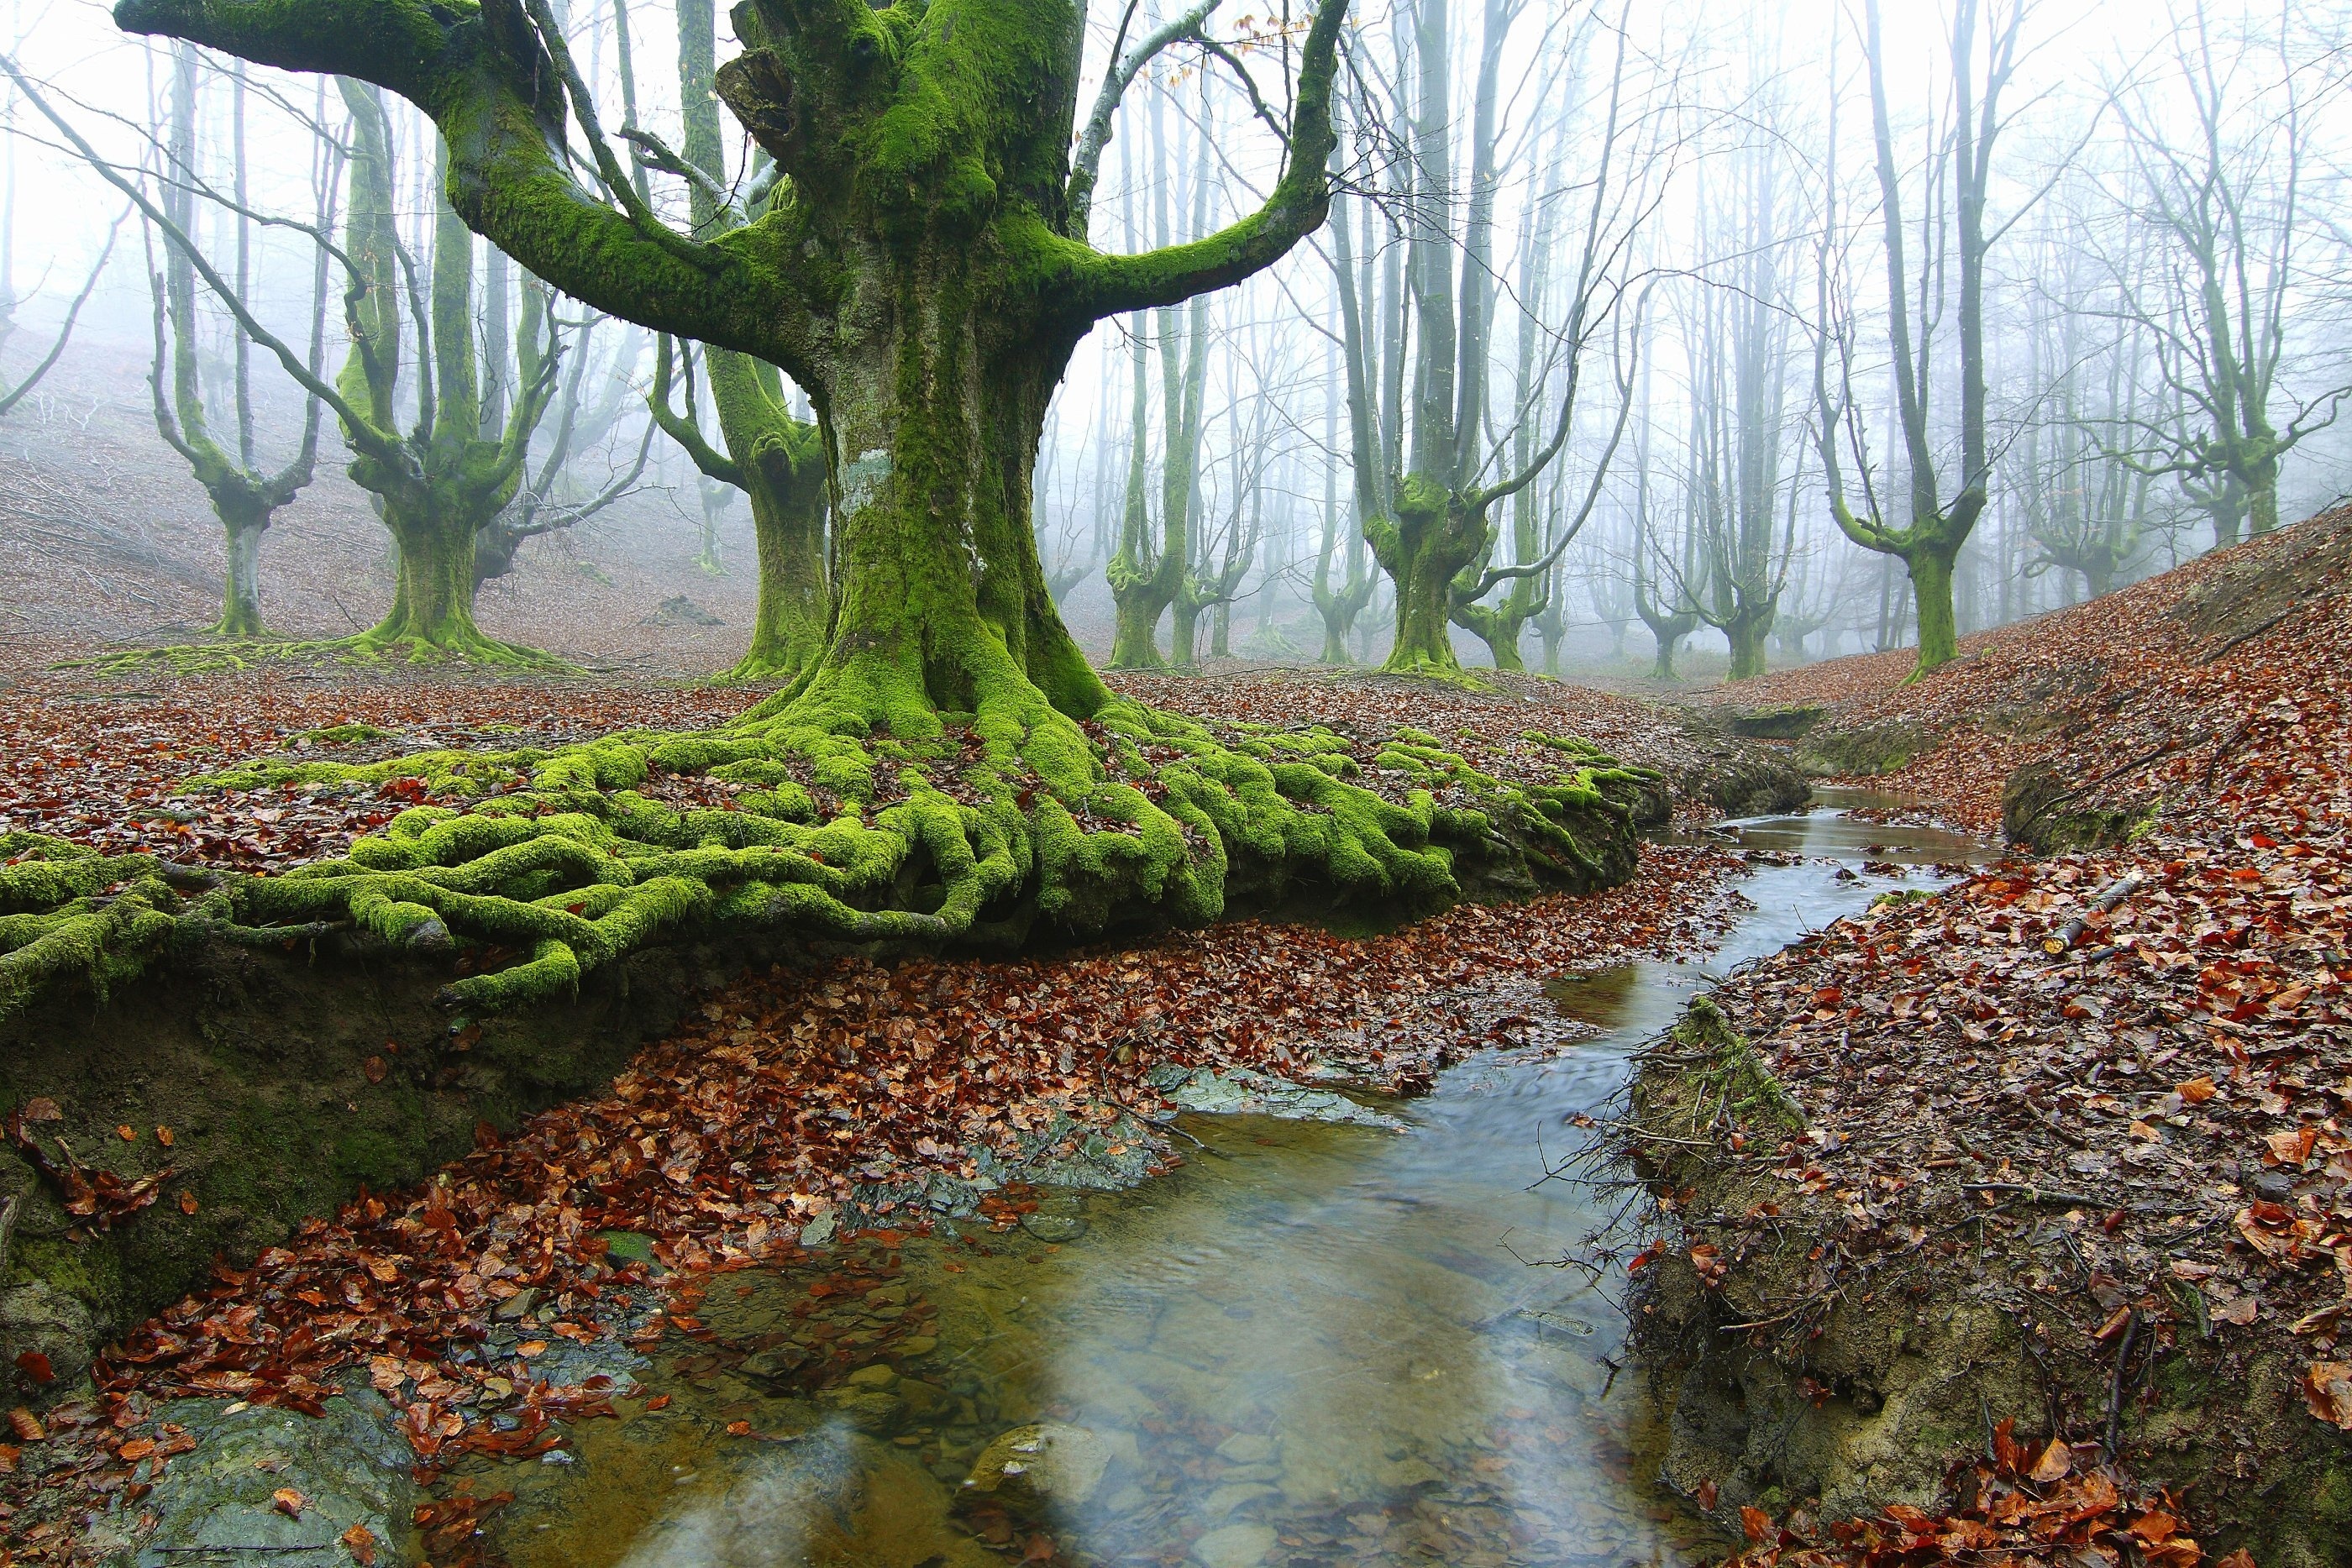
{"type": "Point", "coordinates": [1246, 1449]}
{"type": "Point", "coordinates": [777, 1364]}
{"type": "Point", "coordinates": [516, 1307]}
{"type": "Point", "coordinates": [819, 1232]}
{"type": "Point", "coordinates": [1235, 1546]}
{"type": "Point", "coordinates": [1242, 1092]}
{"type": "Point", "coordinates": [875, 1376]}
{"type": "Point", "coordinates": [1041, 1464]}
{"type": "Point", "coordinates": [1054, 1227]}
{"type": "Point", "coordinates": [349, 1466]}
{"type": "Point", "coordinates": [1232, 1497]}
{"type": "Point", "coordinates": [37, 1319]}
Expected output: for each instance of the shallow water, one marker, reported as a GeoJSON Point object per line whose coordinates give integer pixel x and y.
{"type": "Point", "coordinates": [1310, 1344]}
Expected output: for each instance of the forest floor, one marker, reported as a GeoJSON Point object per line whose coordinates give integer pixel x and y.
{"type": "Point", "coordinates": [2106, 1092]}
{"type": "Point", "coordinates": [758, 1125]}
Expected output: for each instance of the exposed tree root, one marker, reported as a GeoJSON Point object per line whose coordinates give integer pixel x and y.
{"type": "Point", "coordinates": [805, 815]}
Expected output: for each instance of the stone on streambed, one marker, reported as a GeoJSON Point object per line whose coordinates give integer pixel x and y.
{"type": "Point", "coordinates": [1045, 1463]}
{"type": "Point", "coordinates": [1235, 1546]}
{"type": "Point", "coordinates": [1242, 1092]}
{"type": "Point", "coordinates": [349, 1467]}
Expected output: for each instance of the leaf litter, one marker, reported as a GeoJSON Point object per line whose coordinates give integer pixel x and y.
{"type": "Point", "coordinates": [2146, 1047]}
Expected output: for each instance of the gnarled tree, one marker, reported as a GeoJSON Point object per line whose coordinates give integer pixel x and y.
{"type": "Point", "coordinates": [923, 272]}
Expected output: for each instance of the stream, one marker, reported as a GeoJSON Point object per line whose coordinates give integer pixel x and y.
{"type": "Point", "coordinates": [1312, 1343]}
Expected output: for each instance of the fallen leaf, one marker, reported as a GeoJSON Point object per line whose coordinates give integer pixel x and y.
{"type": "Point", "coordinates": [2328, 1389]}
{"type": "Point", "coordinates": [163, 1136]}
{"type": "Point", "coordinates": [36, 1365]}
{"type": "Point", "coordinates": [187, 1201]}
{"type": "Point", "coordinates": [2055, 1461]}
{"type": "Point", "coordinates": [289, 1501]}
{"type": "Point", "coordinates": [374, 1069]}
{"type": "Point", "coordinates": [137, 1448]}
{"type": "Point", "coordinates": [360, 1541]}
{"type": "Point", "coordinates": [27, 1426]}
{"type": "Point", "coordinates": [41, 1108]}
{"type": "Point", "coordinates": [2196, 1090]}
{"type": "Point", "coordinates": [127, 1132]}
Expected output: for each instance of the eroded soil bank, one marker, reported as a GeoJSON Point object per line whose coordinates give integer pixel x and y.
{"type": "Point", "coordinates": [2017, 1219]}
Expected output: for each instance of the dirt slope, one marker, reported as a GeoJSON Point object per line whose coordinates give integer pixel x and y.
{"type": "Point", "coordinates": [2065, 1145]}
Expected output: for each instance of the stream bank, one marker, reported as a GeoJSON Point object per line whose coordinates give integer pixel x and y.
{"type": "Point", "coordinates": [2065, 1146]}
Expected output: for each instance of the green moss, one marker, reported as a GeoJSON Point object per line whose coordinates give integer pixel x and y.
{"type": "Point", "coordinates": [93, 1274]}
{"type": "Point", "coordinates": [1866, 750]}
{"type": "Point", "coordinates": [929, 838]}
{"type": "Point", "coordinates": [1734, 1081]}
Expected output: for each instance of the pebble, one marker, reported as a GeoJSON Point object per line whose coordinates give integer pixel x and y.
{"type": "Point", "coordinates": [1235, 1546]}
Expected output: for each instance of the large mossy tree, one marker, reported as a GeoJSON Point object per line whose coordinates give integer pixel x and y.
{"type": "Point", "coordinates": [922, 270]}
{"type": "Point", "coordinates": [949, 767]}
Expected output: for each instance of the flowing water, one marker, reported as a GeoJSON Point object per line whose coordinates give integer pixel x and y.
{"type": "Point", "coordinates": [1310, 1344]}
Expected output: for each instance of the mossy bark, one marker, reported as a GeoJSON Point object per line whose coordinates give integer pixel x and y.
{"type": "Point", "coordinates": [240, 613]}
{"type": "Point", "coordinates": [1423, 548]}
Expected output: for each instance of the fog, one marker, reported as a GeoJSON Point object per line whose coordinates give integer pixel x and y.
{"type": "Point", "coordinates": [1611, 281]}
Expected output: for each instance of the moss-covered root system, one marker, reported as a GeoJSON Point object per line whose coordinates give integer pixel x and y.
{"type": "Point", "coordinates": [803, 820]}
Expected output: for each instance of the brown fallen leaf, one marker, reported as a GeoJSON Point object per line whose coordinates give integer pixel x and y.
{"type": "Point", "coordinates": [374, 1069]}
{"type": "Point", "coordinates": [36, 1365]}
{"type": "Point", "coordinates": [2055, 1461]}
{"type": "Point", "coordinates": [2196, 1090]}
{"type": "Point", "coordinates": [187, 1202]}
{"type": "Point", "coordinates": [27, 1426]}
{"type": "Point", "coordinates": [41, 1108]}
{"type": "Point", "coordinates": [360, 1541]}
{"type": "Point", "coordinates": [137, 1448]}
{"type": "Point", "coordinates": [289, 1501]}
{"type": "Point", "coordinates": [163, 1136]}
{"type": "Point", "coordinates": [127, 1132]}
{"type": "Point", "coordinates": [2328, 1389]}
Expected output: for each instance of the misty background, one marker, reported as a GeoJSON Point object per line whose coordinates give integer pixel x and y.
{"type": "Point", "coordinates": [1636, 256]}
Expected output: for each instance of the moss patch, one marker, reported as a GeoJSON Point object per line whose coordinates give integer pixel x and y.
{"type": "Point", "coordinates": [1866, 750]}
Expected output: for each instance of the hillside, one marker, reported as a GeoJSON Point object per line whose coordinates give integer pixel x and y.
{"type": "Point", "coordinates": [2061, 1146]}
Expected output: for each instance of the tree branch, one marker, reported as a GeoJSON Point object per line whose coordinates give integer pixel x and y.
{"type": "Point", "coordinates": [483, 78]}
{"type": "Point", "coordinates": [1108, 285]}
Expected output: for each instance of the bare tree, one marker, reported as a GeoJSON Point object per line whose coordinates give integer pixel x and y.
{"type": "Point", "coordinates": [2226, 208]}
{"type": "Point", "coordinates": [1927, 540]}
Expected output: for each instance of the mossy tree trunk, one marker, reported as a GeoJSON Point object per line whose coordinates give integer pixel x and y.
{"type": "Point", "coordinates": [776, 459]}
{"type": "Point", "coordinates": [443, 484]}
{"type": "Point", "coordinates": [921, 269]}
{"type": "Point", "coordinates": [1428, 521]}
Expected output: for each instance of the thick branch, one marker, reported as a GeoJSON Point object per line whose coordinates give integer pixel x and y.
{"type": "Point", "coordinates": [480, 75]}
{"type": "Point", "coordinates": [1107, 284]}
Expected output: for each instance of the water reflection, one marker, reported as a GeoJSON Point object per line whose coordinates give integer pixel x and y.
{"type": "Point", "coordinates": [1310, 1346]}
